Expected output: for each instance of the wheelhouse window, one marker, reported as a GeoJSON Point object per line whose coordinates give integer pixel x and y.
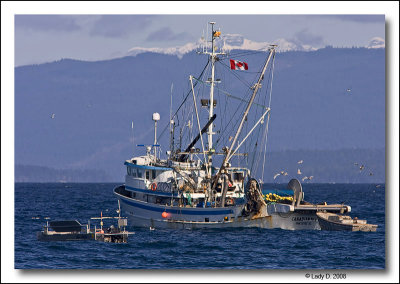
{"type": "Point", "coordinates": [153, 174]}
{"type": "Point", "coordinates": [147, 175]}
{"type": "Point", "coordinates": [139, 173]}
{"type": "Point", "coordinates": [132, 172]}
{"type": "Point", "coordinates": [238, 176]}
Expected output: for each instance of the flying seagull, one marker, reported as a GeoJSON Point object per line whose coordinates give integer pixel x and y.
{"type": "Point", "coordinates": [298, 171]}
{"type": "Point", "coordinates": [275, 176]}
{"type": "Point", "coordinates": [307, 178]}
{"type": "Point", "coordinates": [53, 115]}
{"type": "Point", "coordinates": [300, 162]}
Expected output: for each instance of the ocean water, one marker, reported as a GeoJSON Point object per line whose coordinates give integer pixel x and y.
{"type": "Point", "coordinates": [243, 248]}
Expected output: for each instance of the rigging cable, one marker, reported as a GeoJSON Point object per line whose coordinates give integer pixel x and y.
{"type": "Point", "coordinates": [256, 158]}
{"type": "Point", "coordinates": [237, 76]}
{"type": "Point", "coordinates": [166, 127]}
{"type": "Point", "coordinates": [269, 105]}
{"type": "Point", "coordinates": [240, 105]}
{"type": "Point", "coordinates": [243, 53]}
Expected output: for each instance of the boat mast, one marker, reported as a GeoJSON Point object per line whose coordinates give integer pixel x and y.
{"type": "Point", "coordinates": [211, 103]}
{"type": "Point", "coordinates": [213, 58]}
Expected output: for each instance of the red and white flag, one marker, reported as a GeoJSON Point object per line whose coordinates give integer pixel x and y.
{"type": "Point", "coordinates": [238, 65]}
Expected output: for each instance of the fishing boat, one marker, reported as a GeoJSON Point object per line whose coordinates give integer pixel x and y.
{"type": "Point", "coordinates": [335, 222]}
{"type": "Point", "coordinates": [204, 182]}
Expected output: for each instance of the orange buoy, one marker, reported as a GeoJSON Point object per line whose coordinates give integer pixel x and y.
{"type": "Point", "coordinates": [153, 186]}
{"type": "Point", "coordinates": [164, 214]}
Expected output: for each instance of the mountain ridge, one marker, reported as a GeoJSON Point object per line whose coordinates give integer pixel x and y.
{"type": "Point", "coordinates": [325, 99]}
{"type": "Point", "coordinates": [341, 169]}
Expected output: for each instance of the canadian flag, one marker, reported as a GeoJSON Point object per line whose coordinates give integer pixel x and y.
{"type": "Point", "coordinates": [238, 65]}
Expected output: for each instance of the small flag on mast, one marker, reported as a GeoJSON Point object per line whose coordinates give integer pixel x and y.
{"type": "Point", "coordinates": [217, 34]}
{"type": "Point", "coordinates": [238, 65]}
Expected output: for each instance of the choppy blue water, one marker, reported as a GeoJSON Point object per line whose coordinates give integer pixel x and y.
{"type": "Point", "coordinates": [195, 249]}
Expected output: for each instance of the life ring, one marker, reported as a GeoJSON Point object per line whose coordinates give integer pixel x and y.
{"type": "Point", "coordinates": [230, 201]}
{"type": "Point", "coordinates": [153, 186]}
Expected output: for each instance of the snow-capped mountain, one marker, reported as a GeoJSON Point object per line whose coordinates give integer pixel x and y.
{"type": "Point", "coordinates": [227, 42]}
{"type": "Point", "coordinates": [178, 50]}
{"type": "Point", "coordinates": [376, 42]}
{"type": "Point", "coordinates": [236, 41]}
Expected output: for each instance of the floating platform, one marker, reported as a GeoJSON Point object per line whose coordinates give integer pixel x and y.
{"type": "Point", "coordinates": [72, 230]}
{"type": "Point", "coordinates": [65, 231]}
{"type": "Point", "coordinates": [334, 222]}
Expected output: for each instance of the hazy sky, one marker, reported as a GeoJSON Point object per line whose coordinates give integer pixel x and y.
{"type": "Point", "coordinates": [44, 38]}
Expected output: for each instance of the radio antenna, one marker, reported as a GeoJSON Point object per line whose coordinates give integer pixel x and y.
{"type": "Point", "coordinates": [133, 144]}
